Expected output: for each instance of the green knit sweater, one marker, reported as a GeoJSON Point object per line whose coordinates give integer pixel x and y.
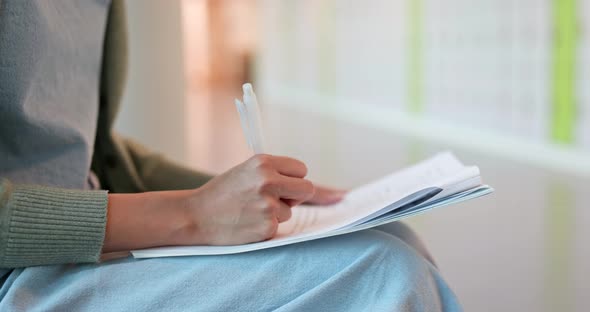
{"type": "Point", "coordinates": [42, 225]}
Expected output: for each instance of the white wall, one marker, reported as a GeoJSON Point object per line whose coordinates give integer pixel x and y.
{"type": "Point", "coordinates": [475, 75]}
{"type": "Point", "coordinates": [154, 102]}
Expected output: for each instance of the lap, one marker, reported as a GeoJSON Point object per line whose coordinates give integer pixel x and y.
{"type": "Point", "coordinates": [366, 270]}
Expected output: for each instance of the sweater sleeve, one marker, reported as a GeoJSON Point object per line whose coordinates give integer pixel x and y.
{"type": "Point", "coordinates": [159, 173]}
{"type": "Point", "coordinates": [44, 225]}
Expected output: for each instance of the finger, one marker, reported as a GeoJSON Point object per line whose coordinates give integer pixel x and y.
{"type": "Point", "coordinates": [283, 212]}
{"type": "Point", "coordinates": [271, 213]}
{"type": "Point", "coordinates": [289, 166]}
{"type": "Point", "coordinates": [292, 202]}
{"type": "Point", "coordinates": [271, 229]}
{"type": "Point", "coordinates": [326, 196]}
{"type": "Point", "coordinates": [292, 188]}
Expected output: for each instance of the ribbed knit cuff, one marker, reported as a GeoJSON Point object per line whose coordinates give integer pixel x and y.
{"type": "Point", "coordinates": [42, 225]}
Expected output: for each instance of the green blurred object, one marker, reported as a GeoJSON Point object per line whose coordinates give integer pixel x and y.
{"type": "Point", "coordinates": [564, 60]}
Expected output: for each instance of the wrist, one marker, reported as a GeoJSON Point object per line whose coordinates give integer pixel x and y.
{"type": "Point", "coordinates": [187, 229]}
{"type": "Point", "coordinates": [143, 220]}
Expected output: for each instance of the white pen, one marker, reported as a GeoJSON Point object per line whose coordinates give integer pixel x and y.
{"type": "Point", "coordinates": [241, 108]}
{"type": "Point", "coordinates": [253, 120]}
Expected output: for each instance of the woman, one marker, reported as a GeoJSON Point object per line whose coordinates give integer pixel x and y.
{"type": "Point", "coordinates": [62, 66]}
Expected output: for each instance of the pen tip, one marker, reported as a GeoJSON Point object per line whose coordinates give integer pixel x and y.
{"type": "Point", "coordinates": [247, 87]}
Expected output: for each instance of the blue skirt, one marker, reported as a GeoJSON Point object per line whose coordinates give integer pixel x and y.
{"type": "Point", "coordinates": [372, 270]}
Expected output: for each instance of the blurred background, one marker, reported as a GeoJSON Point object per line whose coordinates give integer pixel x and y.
{"type": "Point", "coordinates": [358, 89]}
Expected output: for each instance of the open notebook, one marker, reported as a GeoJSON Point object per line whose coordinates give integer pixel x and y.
{"type": "Point", "coordinates": [438, 181]}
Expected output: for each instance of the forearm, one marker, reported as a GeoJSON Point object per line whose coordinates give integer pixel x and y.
{"type": "Point", "coordinates": [242, 205]}
{"type": "Point", "coordinates": [144, 220]}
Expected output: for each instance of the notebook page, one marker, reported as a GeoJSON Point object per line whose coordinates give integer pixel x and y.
{"type": "Point", "coordinates": [371, 198]}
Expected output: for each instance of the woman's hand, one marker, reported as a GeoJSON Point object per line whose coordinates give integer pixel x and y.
{"type": "Point", "coordinates": [247, 203]}
{"type": "Point", "coordinates": [243, 205]}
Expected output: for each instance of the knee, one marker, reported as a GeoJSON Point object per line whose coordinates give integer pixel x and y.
{"type": "Point", "coordinates": [375, 255]}
{"type": "Point", "coordinates": [391, 252]}
{"type": "Point", "coordinates": [366, 270]}
{"type": "Point", "coordinates": [408, 236]}
{"type": "Point", "coordinates": [388, 272]}
{"type": "Point", "coordinates": [368, 254]}
{"type": "Point", "coordinates": [406, 277]}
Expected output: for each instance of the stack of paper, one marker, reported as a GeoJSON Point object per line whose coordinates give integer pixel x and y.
{"type": "Point", "coordinates": [436, 182]}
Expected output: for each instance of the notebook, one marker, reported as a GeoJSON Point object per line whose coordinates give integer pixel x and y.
{"type": "Point", "coordinates": [436, 182]}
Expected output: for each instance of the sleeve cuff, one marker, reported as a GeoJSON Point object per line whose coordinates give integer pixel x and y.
{"type": "Point", "coordinates": [43, 225]}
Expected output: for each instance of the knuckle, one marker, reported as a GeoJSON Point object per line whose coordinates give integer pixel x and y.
{"type": "Point", "coordinates": [261, 160]}
{"type": "Point", "coordinates": [301, 167]}
{"type": "Point", "coordinates": [269, 206]}
{"type": "Point", "coordinates": [308, 187]}
{"type": "Point", "coordinates": [270, 228]}
{"type": "Point", "coordinates": [264, 172]}
{"type": "Point", "coordinates": [265, 183]}
{"type": "Point", "coordinates": [288, 214]}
